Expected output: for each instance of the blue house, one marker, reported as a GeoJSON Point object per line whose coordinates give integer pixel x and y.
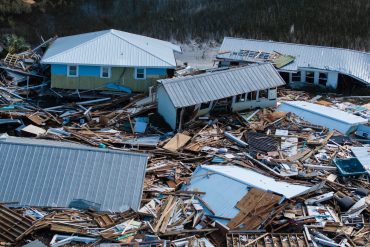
{"type": "Point", "coordinates": [109, 59]}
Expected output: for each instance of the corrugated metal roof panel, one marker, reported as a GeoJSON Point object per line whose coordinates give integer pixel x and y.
{"type": "Point", "coordinates": [53, 174]}
{"type": "Point", "coordinates": [345, 61]}
{"type": "Point", "coordinates": [111, 48]}
{"type": "Point", "coordinates": [363, 155]}
{"type": "Point", "coordinates": [217, 181]}
{"type": "Point", "coordinates": [191, 90]}
{"type": "Point", "coordinates": [329, 117]}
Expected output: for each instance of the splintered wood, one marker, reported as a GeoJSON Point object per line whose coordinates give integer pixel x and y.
{"type": "Point", "coordinates": [255, 207]}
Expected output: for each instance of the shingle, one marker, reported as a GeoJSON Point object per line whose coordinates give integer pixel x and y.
{"type": "Point", "coordinates": [349, 62]}
{"type": "Point", "coordinates": [53, 174]}
{"type": "Point", "coordinates": [191, 90]}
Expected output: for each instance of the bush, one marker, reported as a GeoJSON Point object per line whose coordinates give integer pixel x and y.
{"type": "Point", "coordinates": [13, 43]}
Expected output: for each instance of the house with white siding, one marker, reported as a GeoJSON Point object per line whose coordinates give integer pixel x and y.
{"type": "Point", "coordinates": [326, 67]}
{"type": "Point", "coordinates": [181, 99]}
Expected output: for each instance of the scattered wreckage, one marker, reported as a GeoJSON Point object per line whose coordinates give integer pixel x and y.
{"type": "Point", "coordinates": [265, 177]}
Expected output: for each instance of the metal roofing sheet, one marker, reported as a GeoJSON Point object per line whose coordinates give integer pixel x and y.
{"type": "Point", "coordinates": [328, 112]}
{"type": "Point", "coordinates": [192, 90]}
{"type": "Point", "coordinates": [363, 155]}
{"type": "Point", "coordinates": [345, 61]}
{"type": "Point", "coordinates": [111, 48]}
{"type": "Point", "coordinates": [217, 181]}
{"type": "Point", "coordinates": [53, 174]}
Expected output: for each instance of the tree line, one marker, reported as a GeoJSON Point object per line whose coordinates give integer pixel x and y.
{"type": "Point", "coordinates": [322, 22]}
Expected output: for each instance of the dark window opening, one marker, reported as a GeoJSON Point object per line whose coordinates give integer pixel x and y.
{"type": "Point", "coordinates": [263, 94]}
{"type": "Point", "coordinates": [285, 76]}
{"type": "Point", "coordinates": [205, 105]}
{"type": "Point", "coordinates": [310, 76]}
{"type": "Point", "coordinates": [240, 97]}
{"type": "Point", "coordinates": [323, 79]}
{"type": "Point", "coordinates": [296, 76]}
{"type": "Point", "coordinates": [252, 95]}
{"type": "Point", "coordinates": [233, 63]}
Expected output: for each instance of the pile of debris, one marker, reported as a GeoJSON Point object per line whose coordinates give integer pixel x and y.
{"type": "Point", "coordinates": [295, 175]}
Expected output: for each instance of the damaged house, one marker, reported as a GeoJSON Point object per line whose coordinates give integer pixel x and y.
{"type": "Point", "coordinates": [184, 98]}
{"type": "Point", "coordinates": [300, 64]}
{"type": "Point", "coordinates": [109, 59]}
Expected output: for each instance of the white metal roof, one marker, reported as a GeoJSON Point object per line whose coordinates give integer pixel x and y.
{"type": "Point", "coordinates": [256, 180]}
{"type": "Point", "coordinates": [111, 48]}
{"type": "Point", "coordinates": [345, 61]}
{"type": "Point", "coordinates": [192, 90]}
{"type": "Point", "coordinates": [329, 112]}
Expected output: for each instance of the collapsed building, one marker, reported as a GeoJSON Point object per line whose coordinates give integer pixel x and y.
{"type": "Point", "coordinates": [184, 98]}
{"type": "Point", "coordinates": [300, 64]}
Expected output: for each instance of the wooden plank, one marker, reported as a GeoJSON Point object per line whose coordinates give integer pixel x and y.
{"type": "Point", "coordinates": [255, 208]}
{"type": "Point", "coordinates": [177, 142]}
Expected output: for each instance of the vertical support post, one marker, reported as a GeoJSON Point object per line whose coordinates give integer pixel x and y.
{"type": "Point", "coordinates": [181, 118]}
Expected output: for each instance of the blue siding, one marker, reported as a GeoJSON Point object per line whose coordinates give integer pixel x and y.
{"type": "Point", "coordinates": [61, 69]}
{"type": "Point", "coordinates": [89, 70]}
{"type": "Point", "coordinates": [156, 71]}
{"type": "Point", "coordinates": [58, 69]}
{"type": "Point", "coordinates": [84, 70]}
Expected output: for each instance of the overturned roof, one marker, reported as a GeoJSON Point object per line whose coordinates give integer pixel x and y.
{"type": "Point", "coordinates": [111, 48]}
{"type": "Point", "coordinates": [192, 90]}
{"type": "Point", "coordinates": [350, 62]}
{"type": "Point", "coordinates": [49, 173]}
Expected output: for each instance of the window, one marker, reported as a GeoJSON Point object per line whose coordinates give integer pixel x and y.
{"type": "Point", "coordinates": [140, 74]}
{"type": "Point", "coordinates": [310, 76]}
{"type": "Point", "coordinates": [72, 71]}
{"type": "Point", "coordinates": [252, 54]}
{"type": "Point", "coordinates": [205, 105]}
{"type": "Point", "coordinates": [323, 78]}
{"type": "Point", "coordinates": [240, 97]}
{"type": "Point", "coordinates": [263, 94]}
{"type": "Point", "coordinates": [252, 95]}
{"type": "Point", "coordinates": [105, 72]}
{"type": "Point", "coordinates": [296, 76]}
{"type": "Point", "coordinates": [272, 94]}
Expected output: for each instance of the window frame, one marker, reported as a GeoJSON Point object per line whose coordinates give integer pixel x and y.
{"type": "Point", "coordinates": [297, 75]}
{"type": "Point", "coordinates": [323, 80]}
{"type": "Point", "coordinates": [69, 70]}
{"type": "Point", "coordinates": [205, 105]}
{"type": "Point", "coordinates": [136, 78]}
{"type": "Point", "coordinates": [109, 72]}
{"type": "Point", "coordinates": [310, 79]}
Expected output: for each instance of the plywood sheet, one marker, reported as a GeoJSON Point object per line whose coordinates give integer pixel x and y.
{"type": "Point", "coordinates": [177, 142]}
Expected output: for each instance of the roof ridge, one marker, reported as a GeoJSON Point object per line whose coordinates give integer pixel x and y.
{"type": "Point", "coordinates": [87, 148]}
{"type": "Point", "coordinates": [79, 45]}
{"type": "Point", "coordinates": [176, 79]}
{"type": "Point", "coordinates": [299, 44]}
{"type": "Point", "coordinates": [139, 47]}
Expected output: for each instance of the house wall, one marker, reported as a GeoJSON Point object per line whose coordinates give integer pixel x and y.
{"type": "Point", "coordinates": [166, 108]}
{"type": "Point", "coordinates": [89, 78]}
{"type": "Point", "coordinates": [332, 81]}
{"type": "Point", "coordinates": [258, 103]}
